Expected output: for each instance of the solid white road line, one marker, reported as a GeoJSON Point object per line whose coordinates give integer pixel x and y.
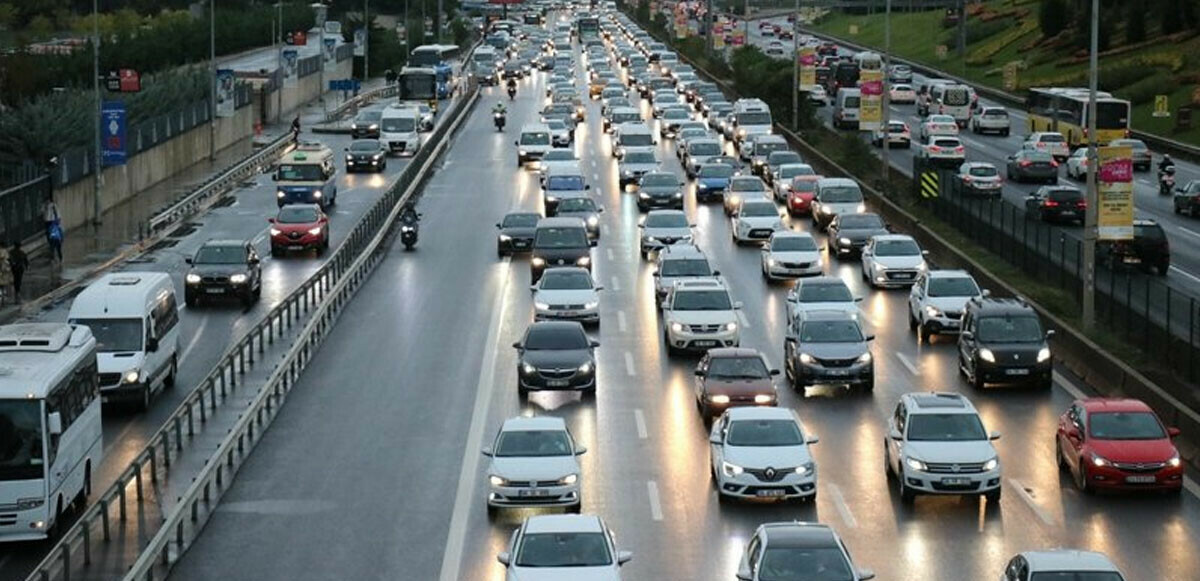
{"type": "Point", "coordinates": [655, 504]}
{"type": "Point", "coordinates": [1185, 273]}
{"type": "Point", "coordinates": [1037, 509]}
{"type": "Point", "coordinates": [195, 339]}
{"type": "Point", "coordinates": [907, 363]}
{"type": "Point", "coordinates": [742, 320]}
{"type": "Point", "coordinates": [616, 284]}
{"type": "Point", "coordinates": [843, 508]}
{"type": "Point", "coordinates": [467, 476]}
{"type": "Point", "coordinates": [629, 364]}
{"type": "Point", "coordinates": [609, 252]}
{"type": "Point", "coordinates": [621, 323]}
{"type": "Point", "coordinates": [639, 419]}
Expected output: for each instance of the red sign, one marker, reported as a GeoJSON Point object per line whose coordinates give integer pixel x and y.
{"type": "Point", "coordinates": [131, 81]}
{"type": "Point", "coordinates": [298, 38]}
{"type": "Point", "coordinates": [871, 87]}
{"type": "Point", "coordinates": [1117, 171]}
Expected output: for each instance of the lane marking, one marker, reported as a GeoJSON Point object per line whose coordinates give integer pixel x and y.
{"type": "Point", "coordinates": [742, 319]}
{"type": "Point", "coordinates": [629, 364]}
{"type": "Point", "coordinates": [843, 508]}
{"type": "Point", "coordinates": [596, 176]}
{"type": "Point", "coordinates": [655, 505]}
{"type": "Point", "coordinates": [609, 252]}
{"type": "Point", "coordinates": [1033, 505]}
{"type": "Point", "coordinates": [621, 323]}
{"type": "Point", "coordinates": [1189, 231]}
{"type": "Point", "coordinates": [195, 340]}
{"type": "Point", "coordinates": [907, 363]}
{"type": "Point", "coordinates": [457, 535]}
{"type": "Point", "coordinates": [1185, 273]}
{"type": "Point", "coordinates": [639, 419]}
{"type": "Point", "coordinates": [616, 284]}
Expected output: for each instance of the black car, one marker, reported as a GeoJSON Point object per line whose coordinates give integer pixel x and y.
{"type": "Point", "coordinates": [1187, 199]}
{"type": "Point", "coordinates": [828, 347]}
{"type": "Point", "coordinates": [659, 189]}
{"type": "Point", "coordinates": [512, 70]}
{"type": "Point", "coordinates": [1056, 204]}
{"type": "Point", "coordinates": [224, 268]}
{"type": "Point", "coordinates": [516, 232]}
{"type": "Point", "coordinates": [556, 355]}
{"type": "Point", "coordinates": [366, 124]}
{"type": "Point", "coordinates": [1002, 341]}
{"type": "Point", "coordinates": [560, 242]}
{"type": "Point", "coordinates": [1032, 165]}
{"type": "Point", "coordinates": [850, 232]}
{"type": "Point", "coordinates": [1149, 249]}
{"type": "Point", "coordinates": [366, 155]}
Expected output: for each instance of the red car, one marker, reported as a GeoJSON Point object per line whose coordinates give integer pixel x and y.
{"type": "Point", "coordinates": [801, 194]}
{"type": "Point", "coordinates": [1117, 444]}
{"type": "Point", "coordinates": [299, 227]}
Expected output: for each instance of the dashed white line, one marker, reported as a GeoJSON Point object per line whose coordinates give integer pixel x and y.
{"type": "Point", "coordinates": [629, 364]}
{"type": "Point", "coordinates": [596, 176]}
{"type": "Point", "coordinates": [261, 236]}
{"type": "Point", "coordinates": [1028, 498]}
{"type": "Point", "coordinates": [622, 324]}
{"type": "Point", "coordinates": [843, 508]}
{"type": "Point", "coordinates": [608, 251]}
{"type": "Point", "coordinates": [655, 504]}
{"type": "Point", "coordinates": [742, 319]}
{"type": "Point", "coordinates": [616, 284]}
{"type": "Point", "coordinates": [1189, 231]}
{"type": "Point", "coordinates": [639, 419]}
{"type": "Point", "coordinates": [907, 363]}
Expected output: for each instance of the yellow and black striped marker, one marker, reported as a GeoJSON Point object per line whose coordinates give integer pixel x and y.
{"type": "Point", "coordinates": [929, 184]}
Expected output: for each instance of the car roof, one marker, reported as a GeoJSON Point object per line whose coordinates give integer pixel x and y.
{"type": "Point", "coordinates": [1001, 306]}
{"type": "Point", "coordinates": [224, 242]}
{"type": "Point", "coordinates": [1068, 560]}
{"type": "Point", "coordinates": [561, 222]}
{"type": "Point", "coordinates": [821, 280]}
{"type": "Point", "coordinates": [703, 283]}
{"type": "Point", "coordinates": [531, 127]}
{"type": "Point", "coordinates": [799, 534]}
{"type": "Point", "coordinates": [1114, 404]}
{"type": "Point", "coordinates": [533, 423]}
{"type": "Point", "coordinates": [892, 237]}
{"type": "Point", "coordinates": [666, 212]}
{"type": "Point", "coordinates": [563, 523]}
{"type": "Point", "coordinates": [938, 402]}
{"type": "Point", "coordinates": [948, 273]}
{"type": "Point", "coordinates": [681, 252]}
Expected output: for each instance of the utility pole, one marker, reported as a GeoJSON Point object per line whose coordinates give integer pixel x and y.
{"type": "Point", "coordinates": [962, 30]}
{"type": "Point", "coordinates": [367, 39]}
{"type": "Point", "coordinates": [96, 171]}
{"type": "Point", "coordinates": [279, 63]}
{"type": "Point", "coordinates": [708, 26]}
{"type": "Point", "coordinates": [1093, 196]}
{"type": "Point", "coordinates": [796, 68]}
{"type": "Point", "coordinates": [437, 23]}
{"type": "Point", "coordinates": [212, 78]}
{"type": "Point", "coordinates": [885, 98]}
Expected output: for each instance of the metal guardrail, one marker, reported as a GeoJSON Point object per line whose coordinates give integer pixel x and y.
{"type": "Point", "coordinates": [360, 100]}
{"type": "Point", "coordinates": [327, 291]}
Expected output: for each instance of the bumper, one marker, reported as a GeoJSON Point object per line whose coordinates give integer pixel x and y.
{"type": "Point", "coordinates": [364, 133]}
{"type": "Point", "coordinates": [856, 374]}
{"type": "Point", "coordinates": [26, 525]}
{"type": "Point", "coordinates": [528, 496]}
{"type": "Point", "coordinates": [371, 165]}
{"type": "Point", "coordinates": [205, 289]}
{"type": "Point", "coordinates": [304, 242]}
{"type": "Point", "coordinates": [537, 382]}
{"type": "Point", "coordinates": [780, 270]}
{"type": "Point", "coordinates": [660, 202]}
{"type": "Point", "coordinates": [402, 147]}
{"type": "Point", "coordinates": [979, 190]}
{"type": "Point", "coordinates": [709, 193]}
{"type": "Point", "coordinates": [582, 315]}
{"type": "Point", "coordinates": [937, 483]}
{"type": "Point", "coordinates": [1038, 373]}
{"type": "Point", "coordinates": [122, 392]}
{"type": "Point", "coordinates": [753, 234]}
{"type": "Point", "coordinates": [942, 325]}
{"type": "Point", "coordinates": [515, 244]}
{"type": "Point", "coordinates": [894, 279]}
{"type": "Point", "coordinates": [686, 341]}
{"type": "Point", "coordinates": [747, 486]}
{"type": "Point", "coordinates": [1113, 478]}
{"type": "Point", "coordinates": [854, 248]}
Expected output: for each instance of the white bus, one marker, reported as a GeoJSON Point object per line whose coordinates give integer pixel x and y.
{"type": "Point", "coordinates": [50, 431]}
{"type": "Point", "coordinates": [868, 61]}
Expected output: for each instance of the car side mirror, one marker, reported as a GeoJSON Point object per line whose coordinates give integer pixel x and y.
{"type": "Point", "coordinates": [895, 435]}
{"type": "Point", "coordinates": [587, 186]}
{"type": "Point", "coordinates": [274, 177]}
{"type": "Point", "coordinates": [714, 438]}
{"type": "Point", "coordinates": [744, 575]}
{"type": "Point", "coordinates": [594, 243]}
{"type": "Point", "coordinates": [255, 260]}
{"type": "Point", "coordinates": [968, 335]}
{"type": "Point", "coordinates": [737, 305]}
{"type": "Point", "coordinates": [716, 273]}
{"type": "Point", "coordinates": [503, 558]}
{"type": "Point", "coordinates": [54, 423]}
{"type": "Point", "coordinates": [774, 372]}
{"type": "Point", "coordinates": [993, 435]}
{"type": "Point", "coordinates": [271, 220]}
{"type": "Point", "coordinates": [487, 451]}
{"type": "Point", "coordinates": [517, 345]}
{"type": "Point", "coordinates": [598, 287]}
{"type": "Point", "coordinates": [498, 226]}
{"type": "Point", "coordinates": [533, 287]}
{"type": "Point", "coordinates": [864, 574]}
{"type": "Point", "coordinates": [1049, 334]}
{"type": "Point", "coordinates": [152, 344]}
{"type": "Point", "coordinates": [623, 557]}
{"type": "Point", "coordinates": [1173, 432]}
{"type": "Point", "coordinates": [924, 253]}
{"type": "Point", "coordinates": [580, 450]}
{"type": "Point", "coordinates": [870, 338]}
{"type": "Point", "coordinates": [345, 149]}
{"type": "Point", "coordinates": [515, 142]}
{"type": "Point", "coordinates": [812, 439]}
{"type": "Point", "coordinates": [700, 373]}
{"type": "Point", "coordinates": [594, 344]}
{"type": "Point", "coordinates": [187, 261]}
{"type": "Point", "coordinates": [858, 299]}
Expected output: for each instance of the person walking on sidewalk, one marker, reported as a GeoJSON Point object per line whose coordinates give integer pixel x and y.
{"type": "Point", "coordinates": [18, 263]}
{"type": "Point", "coordinates": [53, 222]}
{"type": "Point", "coordinates": [296, 128]}
{"type": "Point", "coordinates": [6, 277]}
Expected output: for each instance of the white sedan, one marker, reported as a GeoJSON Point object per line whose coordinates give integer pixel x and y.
{"type": "Point", "coordinates": [534, 463]}
{"type": "Point", "coordinates": [893, 260]}
{"type": "Point", "coordinates": [755, 220]}
{"type": "Point", "coordinates": [939, 125]}
{"type": "Point", "coordinates": [563, 547]}
{"type": "Point", "coordinates": [762, 452]}
{"type": "Point", "coordinates": [791, 254]}
{"type": "Point", "coordinates": [567, 293]}
{"type": "Point", "coordinates": [1077, 164]}
{"type": "Point", "coordinates": [902, 94]}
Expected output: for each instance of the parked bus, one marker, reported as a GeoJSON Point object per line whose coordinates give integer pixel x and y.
{"type": "Point", "coordinates": [1065, 110]}
{"type": "Point", "coordinates": [50, 425]}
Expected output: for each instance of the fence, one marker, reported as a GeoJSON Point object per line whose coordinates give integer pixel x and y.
{"type": "Point", "coordinates": [1138, 306]}
{"type": "Point", "coordinates": [20, 210]}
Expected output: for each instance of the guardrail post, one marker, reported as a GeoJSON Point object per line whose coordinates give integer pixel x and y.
{"type": "Point", "coordinates": [154, 461]}
{"type": "Point", "coordinates": [123, 502]}
{"type": "Point", "coordinates": [66, 562]}
{"type": "Point", "coordinates": [104, 519]}
{"type": "Point", "coordinates": [137, 475]}
{"type": "Point", "coordinates": [179, 435]}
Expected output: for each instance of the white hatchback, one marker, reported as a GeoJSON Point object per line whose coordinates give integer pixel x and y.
{"type": "Point", "coordinates": [791, 254]}
{"type": "Point", "coordinates": [558, 547]}
{"type": "Point", "coordinates": [534, 463]}
{"type": "Point", "coordinates": [567, 293]}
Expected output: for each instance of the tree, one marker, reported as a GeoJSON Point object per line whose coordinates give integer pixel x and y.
{"type": "Point", "coordinates": [1053, 17]}
{"type": "Point", "coordinates": [8, 16]}
{"type": "Point", "coordinates": [642, 12]}
{"type": "Point", "coordinates": [40, 27]}
{"type": "Point", "coordinates": [1135, 23]}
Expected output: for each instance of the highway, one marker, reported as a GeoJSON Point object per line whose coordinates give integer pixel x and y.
{"type": "Point", "coordinates": [207, 331]}
{"type": "Point", "coordinates": [372, 470]}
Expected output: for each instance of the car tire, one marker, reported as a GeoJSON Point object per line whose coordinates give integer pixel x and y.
{"type": "Point", "coordinates": [913, 324]}
{"type": "Point", "coordinates": [248, 299]}
{"type": "Point", "coordinates": [276, 252]}
{"type": "Point", "coordinates": [189, 300]}
{"type": "Point", "coordinates": [993, 497]}
{"type": "Point", "coordinates": [907, 495]}
{"type": "Point", "coordinates": [575, 508]}
{"type": "Point", "coordinates": [705, 411]}
{"type": "Point", "coordinates": [1059, 459]}
{"type": "Point", "coordinates": [1004, 132]}
{"type": "Point", "coordinates": [492, 511]}
{"type": "Point", "coordinates": [977, 379]}
{"type": "Point", "coordinates": [173, 374]}
{"type": "Point", "coordinates": [588, 392]}
{"type": "Point", "coordinates": [869, 386]}
{"type": "Point", "coordinates": [925, 334]}
{"type": "Point", "coordinates": [1081, 480]}
{"type": "Point", "coordinates": [143, 404]}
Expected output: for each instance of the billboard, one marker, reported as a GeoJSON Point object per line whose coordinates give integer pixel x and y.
{"type": "Point", "coordinates": [718, 34]}
{"type": "Point", "coordinates": [290, 60]}
{"type": "Point", "coordinates": [112, 127]}
{"type": "Point", "coordinates": [225, 93]}
{"type": "Point", "coordinates": [1115, 189]}
{"type": "Point", "coordinates": [870, 112]}
{"type": "Point", "coordinates": [808, 67]}
{"type": "Point", "coordinates": [329, 49]}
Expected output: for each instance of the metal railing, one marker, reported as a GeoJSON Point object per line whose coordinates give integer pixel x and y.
{"type": "Point", "coordinates": [20, 209]}
{"type": "Point", "coordinates": [361, 99]}
{"type": "Point", "coordinates": [320, 299]}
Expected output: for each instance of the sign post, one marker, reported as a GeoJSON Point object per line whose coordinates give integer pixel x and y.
{"type": "Point", "coordinates": [112, 128]}
{"type": "Point", "coordinates": [1162, 106]}
{"type": "Point", "coordinates": [808, 68]}
{"type": "Point", "coordinates": [225, 93]}
{"type": "Point", "coordinates": [1115, 188]}
{"type": "Point", "coordinates": [1010, 75]}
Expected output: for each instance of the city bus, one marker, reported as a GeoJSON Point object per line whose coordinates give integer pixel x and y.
{"type": "Point", "coordinates": [50, 425]}
{"type": "Point", "coordinates": [587, 26]}
{"type": "Point", "coordinates": [418, 84]}
{"type": "Point", "coordinates": [1065, 110]}
{"type": "Point", "coordinates": [437, 57]}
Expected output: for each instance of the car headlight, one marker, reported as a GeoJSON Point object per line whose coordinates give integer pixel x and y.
{"type": "Point", "coordinates": [844, 241]}
{"type": "Point", "coordinates": [591, 305]}
{"type": "Point", "coordinates": [861, 208]}
{"type": "Point", "coordinates": [192, 278]}
{"type": "Point", "coordinates": [731, 326]}
{"type": "Point", "coordinates": [741, 132]}
{"type": "Point", "coordinates": [677, 327]}
{"type": "Point", "coordinates": [702, 186]}
{"type": "Point", "coordinates": [931, 311]}
{"type": "Point", "coordinates": [1174, 462]}
{"type": "Point", "coordinates": [720, 399]}
{"type": "Point", "coordinates": [865, 357]}
{"type": "Point", "coordinates": [987, 355]}
{"type": "Point", "coordinates": [1098, 460]}
{"type": "Point", "coordinates": [586, 367]}
{"type": "Point", "coordinates": [764, 398]}
{"type": "Point", "coordinates": [315, 231]}
{"type": "Point", "coordinates": [505, 237]}
{"type": "Point", "coordinates": [132, 376]}
{"type": "Point", "coordinates": [922, 267]}
{"type": "Point", "coordinates": [569, 479]}
{"type": "Point", "coordinates": [522, 152]}
{"type": "Point", "coordinates": [275, 232]}
{"type": "Point", "coordinates": [373, 127]}
{"type": "Point", "coordinates": [1044, 354]}
{"type": "Point", "coordinates": [538, 261]}
{"type": "Point", "coordinates": [806, 468]}
{"type": "Point", "coordinates": [592, 221]}
{"type": "Point", "coordinates": [497, 481]}
{"type": "Point", "coordinates": [731, 469]}
{"type": "Point", "coordinates": [528, 369]}
{"type": "Point", "coordinates": [678, 194]}
{"type": "Point", "coordinates": [237, 278]}
{"type": "Point", "coordinates": [541, 306]}
{"type": "Point", "coordinates": [915, 464]}
{"type": "Point", "coordinates": [807, 359]}
{"type": "Point", "coordinates": [643, 195]}
{"type": "Point", "coordinates": [991, 464]}
{"type": "Point", "coordinates": [280, 194]}
{"type": "Point", "coordinates": [316, 193]}
{"type": "Point", "coordinates": [583, 261]}
{"type": "Point", "coordinates": [349, 160]}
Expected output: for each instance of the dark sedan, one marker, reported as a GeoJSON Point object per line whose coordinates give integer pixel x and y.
{"type": "Point", "coordinates": [516, 232]}
{"type": "Point", "coordinates": [1056, 204]}
{"type": "Point", "coordinates": [1032, 165]}
{"type": "Point", "coordinates": [850, 232]}
{"type": "Point", "coordinates": [659, 189]}
{"type": "Point", "coordinates": [366, 124]}
{"type": "Point", "coordinates": [224, 268]}
{"type": "Point", "coordinates": [1187, 199]}
{"type": "Point", "coordinates": [366, 155]}
{"type": "Point", "coordinates": [556, 355]}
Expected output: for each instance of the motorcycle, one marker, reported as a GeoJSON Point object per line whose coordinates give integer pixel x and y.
{"type": "Point", "coordinates": [408, 231]}
{"type": "Point", "coordinates": [1166, 180]}
{"type": "Point", "coordinates": [512, 92]}
{"type": "Point", "coordinates": [499, 119]}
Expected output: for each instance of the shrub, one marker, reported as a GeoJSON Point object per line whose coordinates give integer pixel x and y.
{"type": "Point", "coordinates": [978, 30]}
{"type": "Point", "coordinates": [983, 55]}
{"type": "Point", "coordinates": [1144, 91]}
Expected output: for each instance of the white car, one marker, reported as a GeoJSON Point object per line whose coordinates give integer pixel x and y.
{"type": "Point", "coordinates": [762, 452]}
{"type": "Point", "coordinates": [662, 102]}
{"type": "Point", "coordinates": [817, 95]}
{"type": "Point", "coordinates": [1077, 164]}
{"type": "Point", "coordinates": [936, 444]}
{"type": "Point", "coordinates": [679, 262]}
{"type": "Point", "coordinates": [892, 260]}
{"type": "Point", "coordinates": [636, 163]}
{"type": "Point", "coordinates": [834, 197]}
{"type": "Point", "coordinates": [744, 187]}
{"type": "Point", "coordinates": [791, 254]}
{"type": "Point", "coordinates": [567, 293]}
{"type": "Point", "coordinates": [798, 550]}
{"type": "Point", "coordinates": [560, 161]}
{"type": "Point", "coordinates": [1051, 142]}
{"type": "Point", "coordinates": [937, 301]}
{"type": "Point", "coordinates": [699, 315]}
{"type": "Point", "coordinates": [897, 135]}
{"type": "Point", "coordinates": [663, 228]}
{"type": "Point", "coordinates": [943, 149]}
{"type": "Point", "coordinates": [1061, 564]}
{"type": "Point", "coordinates": [938, 125]}
{"type": "Point", "coordinates": [978, 178]}
{"type": "Point", "coordinates": [822, 293]}
{"type": "Point", "coordinates": [560, 133]}
{"type": "Point", "coordinates": [533, 464]}
{"type": "Point", "coordinates": [698, 152]}
{"type": "Point", "coordinates": [553, 547]}
{"type": "Point", "coordinates": [775, 49]}
{"type": "Point", "coordinates": [902, 94]}
{"type": "Point", "coordinates": [991, 120]}
{"type": "Point", "coordinates": [785, 175]}
{"type": "Point", "coordinates": [754, 220]}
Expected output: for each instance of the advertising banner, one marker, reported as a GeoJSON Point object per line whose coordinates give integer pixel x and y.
{"type": "Point", "coordinates": [808, 67]}
{"type": "Point", "coordinates": [112, 128]}
{"type": "Point", "coordinates": [719, 34]}
{"type": "Point", "coordinates": [870, 112]}
{"type": "Point", "coordinates": [739, 37]}
{"type": "Point", "coordinates": [360, 41]}
{"type": "Point", "coordinates": [681, 29]}
{"type": "Point", "coordinates": [1115, 185]}
{"type": "Point", "coordinates": [225, 94]}
{"type": "Point", "coordinates": [290, 59]}
{"type": "Point", "coordinates": [328, 50]}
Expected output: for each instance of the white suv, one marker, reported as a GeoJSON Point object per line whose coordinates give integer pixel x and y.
{"type": "Point", "coordinates": [936, 444]}
{"type": "Point", "coordinates": [937, 301]}
{"type": "Point", "coordinates": [699, 315]}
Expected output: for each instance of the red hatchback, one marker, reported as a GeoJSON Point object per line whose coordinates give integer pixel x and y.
{"type": "Point", "coordinates": [801, 194]}
{"type": "Point", "coordinates": [299, 227]}
{"type": "Point", "coordinates": [1116, 443]}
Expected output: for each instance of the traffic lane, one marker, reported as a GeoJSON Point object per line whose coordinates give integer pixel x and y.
{"type": "Point", "coordinates": [367, 457]}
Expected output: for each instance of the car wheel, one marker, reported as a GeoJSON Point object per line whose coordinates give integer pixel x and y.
{"type": "Point", "coordinates": [189, 300]}
{"type": "Point", "coordinates": [705, 412]}
{"type": "Point", "coordinates": [1081, 479]}
{"type": "Point", "coordinates": [977, 378]}
{"type": "Point", "coordinates": [925, 333]}
{"type": "Point", "coordinates": [169, 380]}
{"type": "Point", "coordinates": [912, 321]}
{"type": "Point", "coordinates": [1058, 454]}
{"type": "Point", "coordinates": [887, 462]}
{"type": "Point", "coordinates": [869, 386]}
{"type": "Point", "coordinates": [276, 252]}
{"type": "Point", "coordinates": [248, 299]}
{"type": "Point", "coordinates": [492, 511]}
{"type": "Point", "coordinates": [1004, 132]}
{"type": "Point", "coordinates": [144, 403]}
{"type": "Point", "coordinates": [907, 495]}
{"type": "Point", "coordinates": [575, 508]}
{"type": "Point", "coordinates": [993, 497]}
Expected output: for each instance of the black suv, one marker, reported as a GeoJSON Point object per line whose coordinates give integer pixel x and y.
{"type": "Point", "coordinates": [1149, 249]}
{"type": "Point", "coordinates": [1002, 341]}
{"type": "Point", "coordinates": [224, 268]}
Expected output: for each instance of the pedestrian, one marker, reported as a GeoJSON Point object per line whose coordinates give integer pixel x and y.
{"type": "Point", "coordinates": [18, 262]}
{"type": "Point", "coordinates": [296, 127]}
{"type": "Point", "coordinates": [53, 223]}
{"type": "Point", "coordinates": [6, 278]}
{"type": "Point", "coordinates": [49, 214]}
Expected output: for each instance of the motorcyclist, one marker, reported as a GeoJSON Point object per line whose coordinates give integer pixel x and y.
{"type": "Point", "coordinates": [409, 214]}
{"type": "Point", "coordinates": [512, 88]}
{"type": "Point", "coordinates": [499, 109]}
{"type": "Point", "coordinates": [1165, 163]}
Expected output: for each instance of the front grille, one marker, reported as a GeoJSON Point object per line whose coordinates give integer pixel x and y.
{"type": "Point", "coordinates": [8, 519]}
{"type": "Point", "coordinates": [948, 468]}
{"type": "Point", "coordinates": [295, 235]}
{"type": "Point", "coordinates": [901, 274]}
{"type": "Point", "coordinates": [531, 483]}
{"type": "Point", "coordinates": [556, 373]}
{"type": "Point", "coordinates": [705, 328]}
{"type": "Point", "coordinates": [954, 487]}
{"type": "Point", "coordinates": [397, 144]}
{"type": "Point", "coordinates": [110, 378]}
{"type": "Point", "coordinates": [215, 279]}
{"type": "Point", "coordinates": [795, 264]}
{"type": "Point", "coordinates": [837, 362]}
{"type": "Point", "coordinates": [1139, 466]}
{"type": "Point", "coordinates": [566, 307]}
{"type": "Point", "coordinates": [777, 474]}
{"type": "Point", "coordinates": [952, 314]}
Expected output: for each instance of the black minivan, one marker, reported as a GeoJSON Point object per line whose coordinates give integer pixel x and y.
{"type": "Point", "coordinates": [560, 241]}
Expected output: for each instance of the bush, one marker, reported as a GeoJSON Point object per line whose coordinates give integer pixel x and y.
{"type": "Point", "coordinates": [1053, 17]}
{"type": "Point", "coordinates": [1144, 91]}
{"type": "Point", "coordinates": [978, 30]}
{"type": "Point", "coordinates": [1123, 75]}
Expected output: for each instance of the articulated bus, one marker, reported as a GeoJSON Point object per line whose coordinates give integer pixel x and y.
{"type": "Point", "coordinates": [50, 425]}
{"type": "Point", "coordinates": [1065, 110]}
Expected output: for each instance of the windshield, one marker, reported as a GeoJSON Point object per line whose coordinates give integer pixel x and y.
{"type": "Point", "coordinates": [561, 238]}
{"type": "Point", "coordinates": [755, 118]}
{"type": "Point", "coordinates": [956, 97]}
{"type": "Point", "coordinates": [688, 267]}
{"type": "Point", "coordinates": [1020, 329]}
{"type": "Point", "coordinates": [768, 147]}
{"type": "Point", "coordinates": [837, 331]}
{"type": "Point", "coordinates": [220, 255]}
{"type": "Point", "coordinates": [1125, 426]}
{"type": "Point", "coordinates": [577, 205]}
{"type": "Point", "coordinates": [719, 170]}
{"type": "Point", "coordinates": [793, 170]}
{"type": "Point", "coordinates": [555, 338]}
{"type": "Point", "coordinates": [793, 244]}
{"type": "Point", "coordinates": [535, 138]}
{"type": "Point", "coordinates": [702, 300]}
{"type": "Point", "coordinates": [825, 293]}
{"type": "Point", "coordinates": [636, 139]}
{"type": "Point", "coordinates": [764, 433]}
{"type": "Point", "coordinates": [421, 58]}
{"type": "Point", "coordinates": [619, 118]}
{"type": "Point", "coordinates": [114, 335]}
{"type": "Point", "coordinates": [945, 428]}
{"type": "Point", "coordinates": [570, 280]}
{"type": "Point", "coordinates": [851, 102]}
{"type": "Point", "coordinates": [840, 195]}
{"type": "Point", "coordinates": [564, 183]}
{"type": "Point", "coordinates": [1076, 576]}
{"type": "Point", "coordinates": [675, 114]}
{"type": "Point", "coordinates": [20, 440]}
{"type": "Point", "coordinates": [860, 222]}
{"type": "Point", "coordinates": [524, 443]}
{"type": "Point", "coordinates": [563, 550]}
{"type": "Point", "coordinates": [759, 209]}
{"type": "Point", "coordinates": [897, 248]}
{"type": "Point", "coordinates": [959, 286]}
{"type": "Point", "coordinates": [1034, 155]}
{"type": "Point", "coordinates": [746, 185]}
{"type": "Point", "coordinates": [520, 221]}
{"type": "Point", "coordinates": [556, 124]}
{"type": "Point", "coordinates": [640, 157]}
{"type": "Point", "coordinates": [738, 368]}
{"type": "Point", "coordinates": [941, 120]}
{"type": "Point", "coordinates": [400, 124]}
{"type": "Point", "coordinates": [309, 172]}
{"type": "Point", "coordinates": [297, 215]}
{"type": "Point", "coordinates": [807, 563]}
{"type": "Point", "coordinates": [365, 146]}
{"type": "Point", "coordinates": [667, 221]}
{"type": "Point", "coordinates": [368, 117]}
{"type": "Point", "coordinates": [706, 148]}
{"type": "Point", "coordinates": [660, 180]}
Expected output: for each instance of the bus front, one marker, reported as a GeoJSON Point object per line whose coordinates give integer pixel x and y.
{"type": "Point", "coordinates": [1112, 120]}
{"type": "Point", "coordinates": [420, 85]}
{"type": "Point", "coordinates": [24, 512]}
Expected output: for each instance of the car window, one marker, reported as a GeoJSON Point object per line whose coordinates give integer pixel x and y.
{"type": "Point", "coordinates": [301, 172]}
{"type": "Point", "coordinates": [685, 267]}
{"type": "Point", "coordinates": [956, 286]}
{"type": "Point", "coordinates": [1009, 329]}
{"type": "Point", "coordinates": [1066, 194]}
{"type": "Point", "coordinates": [555, 338]}
{"type": "Point", "coordinates": [114, 335]}
{"type": "Point", "coordinates": [563, 550]}
{"type": "Point", "coordinates": [808, 563]}
{"type": "Point", "coordinates": [793, 244]}
{"type": "Point", "coordinates": [365, 146]}
{"type": "Point", "coordinates": [901, 247]}
{"type": "Point", "coordinates": [297, 215]}
{"type": "Point", "coordinates": [568, 237]}
{"type": "Point", "coordinates": [577, 205]}
{"type": "Point", "coordinates": [838, 331]}
{"type": "Point", "coordinates": [640, 157]}
{"type": "Point", "coordinates": [860, 222]}
{"type": "Point", "coordinates": [568, 182]}
{"type": "Point", "coordinates": [399, 124]}
{"type": "Point", "coordinates": [983, 171]}
{"type": "Point", "coordinates": [750, 367]}
{"type": "Point", "coordinates": [520, 221]}
{"type": "Point", "coordinates": [535, 138]}
{"type": "Point", "coordinates": [945, 428]}
{"type": "Point", "coordinates": [701, 300]}
{"type": "Point", "coordinates": [1125, 426]}
{"type": "Point", "coordinates": [671, 220]}
{"type": "Point", "coordinates": [825, 293]}
{"type": "Point", "coordinates": [758, 209]}
{"type": "Point", "coordinates": [541, 443]}
{"type": "Point", "coordinates": [840, 195]}
{"type": "Point", "coordinates": [746, 185]}
{"type": "Point", "coordinates": [223, 254]}
{"type": "Point", "coordinates": [764, 432]}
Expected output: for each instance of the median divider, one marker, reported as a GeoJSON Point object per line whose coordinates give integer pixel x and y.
{"type": "Point", "coordinates": [313, 307]}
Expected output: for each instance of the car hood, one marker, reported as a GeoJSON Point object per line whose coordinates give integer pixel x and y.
{"type": "Point", "coordinates": [951, 452]}
{"type": "Point", "coordinates": [715, 386]}
{"type": "Point", "coordinates": [565, 297]}
{"type": "Point", "coordinates": [713, 182]}
{"type": "Point", "coordinates": [605, 573]}
{"type": "Point", "coordinates": [218, 269]}
{"type": "Point", "coordinates": [702, 317]}
{"type": "Point", "coordinates": [518, 232]}
{"type": "Point", "coordinates": [556, 358]}
{"type": "Point", "coordinates": [797, 256]}
{"type": "Point", "coordinates": [534, 468]}
{"type": "Point", "coordinates": [120, 361]}
{"type": "Point", "coordinates": [951, 304]}
{"type": "Point", "coordinates": [637, 167]}
{"type": "Point", "coordinates": [834, 350]}
{"type": "Point", "coordinates": [839, 207]}
{"type": "Point", "coordinates": [1014, 353]}
{"type": "Point", "coordinates": [900, 261]}
{"type": "Point", "coordinates": [659, 191]}
{"type": "Point", "coordinates": [759, 221]}
{"type": "Point", "coordinates": [764, 456]}
{"type": "Point", "coordinates": [1134, 450]}
{"type": "Point", "coordinates": [860, 233]}
{"type": "Point", "coordinates": [667, 232]}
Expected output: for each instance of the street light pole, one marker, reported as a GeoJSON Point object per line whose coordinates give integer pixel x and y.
{"type": "Point", "coordinates": [366, 39]}
{"type": "Point", "coordinates": [796, 68]}
{"type": "Point", "coordinates": [279, 64]}
{"type": "Point", "coordinates": [96, 171]}
{"type": "Point", "coordinates": [212, 78]}
{"type": "Point", "coordinates": [708, 26]}
{"type": "Point", "coordinates": [885, 98]}
{"type": "Point", "coordinates": [1093, 195]}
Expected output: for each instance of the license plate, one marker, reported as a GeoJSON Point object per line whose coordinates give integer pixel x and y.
{"type": "Point", "coordinates": [557, 382]}
{"type": "Point", "coordinates": [1140, 479]}
{"type": "Point", "coordinates": [214, 291]}
{"type": "Point", "coordinates": [520, 244]}
{"type": "Point", "coordinates": [1017, 371]}
{"type": "Point", "coordinates": [956, 481]}
{"type": "Point", "coordinates": [568, 313]}
{"type": "Point", "coordinates": [533, 492]}
{"type": "Point", "coordinates": [771, 492]}
{"type": "Point", "coordinates": [296, 247]}
{"type": "Point", "coordinates": [705, 343]}
{"type": "Point", "coordinates": [903, 275]}
{"type": "Point", "coordinates": [951, 324]}
{"type": "Point", "coordinates": [1132, 260]}
{"type": "Point", "coordinates": [839, 372]}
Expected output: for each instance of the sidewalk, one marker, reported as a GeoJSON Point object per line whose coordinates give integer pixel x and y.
{"type": "Point", "coordinates": [88, 247]}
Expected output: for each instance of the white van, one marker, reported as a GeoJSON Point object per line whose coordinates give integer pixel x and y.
{"type": "Point", "coordinates": [399, 129]}
{"type": "Point", "coordinates": [953, 100]}
{"type": "Point", "coordinates": [845, 108]}
{"type": "Point", "coordinates": [135, 319]}
{"type": "Point", "coordinates": [750, 117]}
{"type": "Point", "coordinates": [631, 136]}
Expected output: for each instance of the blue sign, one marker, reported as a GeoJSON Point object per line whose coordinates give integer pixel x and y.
{"type": "Point", "coordinates": [112, 133]}
{"type": "Point", "coordinates": [345, 84]}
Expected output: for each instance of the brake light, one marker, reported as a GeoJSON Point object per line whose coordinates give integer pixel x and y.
{"type": "Point", "coordinates": [1026, 163]}
{"type": "Point", "coordinates": [1053, 163]}
{"type": "Point", "coordinates": [959, 149]}
{"type": "Point", "coordinates": [1050, 204]}
{"type": "Point", "coordinates": [934, 148]}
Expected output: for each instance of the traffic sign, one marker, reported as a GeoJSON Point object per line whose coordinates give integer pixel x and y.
{"type": "Point", "coordinates": [345, 84]}
{"type": "Point", "coordinates": [941, 51]}
{"type": "Point", "coordinates": [1010, 75]}
{"type": "Point", "coordinates": [929, 184]}
{"type": "Point", "coordinates": [1162, 106]}
{"type": "Point", "coordinates": [112, 129]}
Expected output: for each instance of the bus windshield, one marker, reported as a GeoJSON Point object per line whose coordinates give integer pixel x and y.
{"type": "Point", "coordinates": [20, 440]}
{"type": "Point", "coordinates": [307, 172]}
{"type": "Point", "coordinates": [1112, 115]}
{"type": "Point", "coordinates": [418, 86]}
{"type": "Point", "coordinates": [425, 57]}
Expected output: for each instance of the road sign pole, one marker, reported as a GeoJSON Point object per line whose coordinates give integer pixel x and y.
{"type": "Point", "coordinates": [367, 38]}
{"type": "Point", "coordinates": [796, 68]}
{"type": "Point", "coordinates": [1093, 196]}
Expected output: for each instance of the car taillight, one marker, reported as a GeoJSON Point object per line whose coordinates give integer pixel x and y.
{"type": "Point", "coordinates": [934, 148]}
{"type": "Point", "coordinates": [1053, 163]}
{"type": "Point", "coordinates": [1050, 204]}
{"type": "Point", "coordinates": [959, 149]}
{"type": "Point", "coordinates": [968, 179]}
{"type": "Point", "coordinates": [1026, 163]}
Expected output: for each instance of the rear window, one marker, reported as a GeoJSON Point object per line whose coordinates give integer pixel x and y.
{"type": "Point", "coordinates": [995, 113]}
{"type": "Point", "coordinates": [850, 102]}
{"type": "Point", "coordinates": [946, 142]}
{"type": "Point", "coordinates": [1149, 232]}
{"type": "Point", "coordinates": [983, 171]}
{"type": "Point", "coordinates": [1052, 138]}
{"type": "Point", "coordinates": [1065, 195]}
{"type": "Point", "coordinates": [956, 97]}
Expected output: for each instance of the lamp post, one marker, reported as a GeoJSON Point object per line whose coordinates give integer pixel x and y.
{"type": "Point", "coordinates": [278, 44]}
{"type": "Point", "coordinates": [1093, 196]}
{"type": "Point", "coordinates": [96, 172]}
{"type": "Point", "coordinates": [885, 97]}
{"type": "Point", "coordinates": [796, 68]}
{"type": "Point", "coordinates": [212, 78]}
{"type": "Point", "coordinates": [367, 39]}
